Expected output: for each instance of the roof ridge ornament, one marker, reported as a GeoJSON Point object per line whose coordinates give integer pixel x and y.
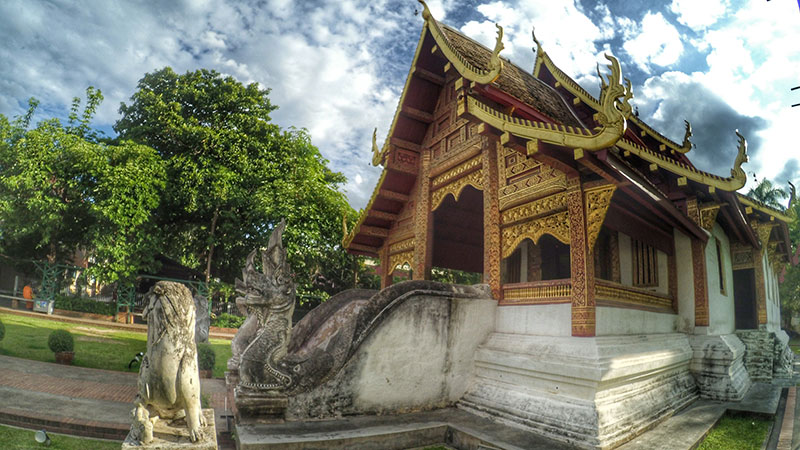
{"type": "Point", "coordinates": [377, 157]}
{"type": "Point", "coordinates": [741, 158]}
{"type": "Point", "coordinates": [687, 143]}
{"type": "Point", "coordinates": [459, 62]}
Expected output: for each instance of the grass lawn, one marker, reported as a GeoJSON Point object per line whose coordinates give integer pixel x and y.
{"type": "Point", "coordinates": [739, 432]}
{"type": "Point", "coordinates": [794, 344]}
{"type": "Point", "coordinates": [19, 439]}
{"type": "Point", "coordinates": [95, 347]}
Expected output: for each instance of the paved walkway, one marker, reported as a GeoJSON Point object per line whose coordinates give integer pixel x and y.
{"type": "Point", "coordinates": [76, 400]}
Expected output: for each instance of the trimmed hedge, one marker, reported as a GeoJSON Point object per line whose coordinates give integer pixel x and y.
{"type": "Point", "coordinates": [85, 305]}
{"type": "Point", "coordinates": [226, 320]}
{"type": "Point", "coordinates": [206, 358]}
{"type": "Point", "coordinates": [60, 341]}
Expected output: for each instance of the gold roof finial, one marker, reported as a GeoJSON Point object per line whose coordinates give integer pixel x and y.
{"type": "Point", "coordinates": [687, 144]}
{"type": "Point", "coordinates": [377, 158]}
{"type": "Point", "coordinates": [741, 158]}
{"type": "Point", "coordinates": [460, 63]}
{"type": "Point", "coordinates": [615, 107]}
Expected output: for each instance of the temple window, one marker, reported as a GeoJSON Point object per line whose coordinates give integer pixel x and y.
{"type": "Point", "coordinates": [546, 260]}
{"type": "Point", "coordinates": [606, 256]}
{"type": "Point", "coordinates": [645, 264]}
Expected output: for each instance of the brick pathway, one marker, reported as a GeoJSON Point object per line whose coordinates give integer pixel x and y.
{"type": "Point", "coordinates": [76, 400]}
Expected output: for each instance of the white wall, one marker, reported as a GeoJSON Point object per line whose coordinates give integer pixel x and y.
{"type": "Point", "coordinates": [624, 321]}
{"type": "Point", "coordinates": [772, 296]}
{"type": "Point", "coordinates": [543, 320]}
{"type": "Point", "coordinates": [685, 272]}
{"type": "Point", "coordinates": [721, 307]}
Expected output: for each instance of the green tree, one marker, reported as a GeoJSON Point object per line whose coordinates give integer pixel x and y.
{"type": "Point", "coordinates": [62, 190]}
{"type": "Point", "coordinates": [768, 194]}
{"type": "Point", "coordinates": [232, 175]}
{"type": "Point", "coordinates": [790, 288]}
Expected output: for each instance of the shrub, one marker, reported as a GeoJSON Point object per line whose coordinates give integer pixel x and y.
{"type": "Point", "coordinates": [206, 358]}
{"type": "Point", "coordinates": [85, 305]}
{"type": "Point", "coordinates": [2, 330]}
{"type": "Point", "coordinates": [226, 320]}
{"type": "Point", "coordinates": [60, 341]}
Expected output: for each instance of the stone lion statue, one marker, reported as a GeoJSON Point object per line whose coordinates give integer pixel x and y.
{"type": "Point", "coordinates": [169, 385]}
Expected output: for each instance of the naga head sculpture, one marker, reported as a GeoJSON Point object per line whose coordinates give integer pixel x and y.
{"type": "Point", "coordinates": [614, 96]}
{"type": "Point", "coordinates": [273, 287]}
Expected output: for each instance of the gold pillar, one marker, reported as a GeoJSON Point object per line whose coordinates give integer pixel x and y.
{"type": "Point", "coordinates": [423, 222]}
{"type": "Point", "coordinates": [581, 263]}
{"type": "Point", "coordinates": [386, 276]}
{"type": "Point", "coordinates": [700, 283]}
{"type": "Point", "coordinates": [491, 215]}
{"type": "Point", "coordinates": [761, 289]}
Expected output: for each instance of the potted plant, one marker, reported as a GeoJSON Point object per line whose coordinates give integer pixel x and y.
{"type": "Point", "coordinates": [206, 358]}
{"type": "Point", "coordinates": [62, 344]}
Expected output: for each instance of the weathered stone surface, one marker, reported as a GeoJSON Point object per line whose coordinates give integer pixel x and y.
{"type": "Point", "coordinates": [175, 436]}
{"type": "Point", "coordinates": [718, 367]}
{"type": "Point", "coordinates": [417, 356]}
{"type": "Point", "coordinates": [589, 392]}
{"type": "Point", "coordinates": [203, 320]}
{"type": "Point", "coordinates": [783, 356]}
{"type": "Point", "coordinates": [169, 385]}
{"type": "Point", "coordinates": [759, 353]}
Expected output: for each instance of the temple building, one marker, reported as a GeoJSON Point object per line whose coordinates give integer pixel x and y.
{"type": "Point", "coordinates": [628, 282]}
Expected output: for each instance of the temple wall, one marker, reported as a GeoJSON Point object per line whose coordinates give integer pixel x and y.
{"type": "Point", "coordinates": [622, 321]}
{"type": "Point", "coordinates": [772, 296]}
{"type": "Point", "coordinates": [721, 307]}
{"type": "Point", "coordinates": [543, 320]}
{"type": "Point", "coordinates": [683, 262]}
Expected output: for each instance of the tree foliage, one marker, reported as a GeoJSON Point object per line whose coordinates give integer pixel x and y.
{"type": "Point", "coordinates": [232, 175]}
{"type": "Point", "coordinates": [790, 288]}
{"type": "Point", "coordinates": [768, 194]}
{"type": "Point", "coordinates": [63, 190]}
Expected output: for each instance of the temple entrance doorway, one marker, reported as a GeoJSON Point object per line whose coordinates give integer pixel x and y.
{"type": "Point", "coordinates": [744, 297]}
{"type": "Point", "coordinates": [458, 238]}
{"type": "Point", "coordinates": [546, 260]}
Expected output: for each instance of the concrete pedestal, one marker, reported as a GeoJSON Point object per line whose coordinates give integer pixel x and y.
{"type": "Point", "coordinates": [718, 367]}
{"type": "Point", "coordinates": [590, 392]}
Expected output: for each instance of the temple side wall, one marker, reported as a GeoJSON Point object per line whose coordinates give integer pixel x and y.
{"type": "Point", "coordinates": [544, 320]}
{"type": "Point", "coordinates": [626, 266]}
{"type": "Point", "coordinates": [721, 307]}
{"type": "Point", "coordinates": [772, 296]}
{"type": "Point", "coordinates": [621, 321]}
{"type": "Point", "coordinates": [683, 263]}
{"type": "Point", "coordinates": [419, 357]}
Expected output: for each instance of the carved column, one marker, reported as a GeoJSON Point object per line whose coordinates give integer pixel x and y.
{"type": "Point", "coordinates": [423, 222]}
{"type": "Point", "coordinates": [616, 275]}
{"type": "Point", "coordinates": [491, 215]}
{"type": "Point", "coordinates": [581, 263]}
{"type": "Point", "coordinates": [700, 283]}
{"type": "Point", "coordinates": [763, 230]}
{"type": "Point", "coordinates": [386, 276]}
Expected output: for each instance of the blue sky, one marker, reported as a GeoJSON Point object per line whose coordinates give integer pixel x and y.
{"type": "Point", "coordinates": [337, 67]}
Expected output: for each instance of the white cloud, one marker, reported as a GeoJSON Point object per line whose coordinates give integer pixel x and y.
{"type": "Point", "coordinates": [657, 42]}
{"type": "Point", "coordinates": [699, 14]}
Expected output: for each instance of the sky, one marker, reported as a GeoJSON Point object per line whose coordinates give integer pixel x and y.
{"type": "Point", "coordinates": [337, 67]}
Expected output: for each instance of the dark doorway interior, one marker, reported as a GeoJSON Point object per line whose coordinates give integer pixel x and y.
{"type": "Point", "coordinates": [744, 295]}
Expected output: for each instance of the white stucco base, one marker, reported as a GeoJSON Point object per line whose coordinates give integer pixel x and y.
{"type": "Point", "coordinates": [591, 392]}
{"type": "Point", "coordinates": [718, 367]}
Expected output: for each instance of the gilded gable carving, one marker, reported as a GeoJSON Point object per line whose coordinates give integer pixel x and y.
{"type": "Point", "coordinates": [522, 177]}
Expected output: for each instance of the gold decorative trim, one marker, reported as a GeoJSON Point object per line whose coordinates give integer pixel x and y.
{"type": "Point", "coordinates": [763, 230]}
{"type": "Point", "coordinates": [400, 259]}
{"type": "Point", "coordinates": [460, 63]}
{"type": "Point", "coordinates": [474, 179]}
{"type": "Point", "coordinates": [774, 257]}
{"type": "Point", "coordinates": [733, 183]}
{"type": "Point", "coordinates": [597, 201]}
{"type": "Point", "coordinates": [534, 208]}
{"type": "Point", "coordinates": [614, 109]}
{"type": "Point", "coordinates": [747, 201]}
{"type": "Point", "coordinates": [708, 215]}
{"type": "Point", "coordinates": [557, 225]}
{"type": "Point", "coordinates": [456, 171]}
{"type": "Point", "coordinates": [397, 247]}
{"type": "Point", "coordinates": [624, 294]}
{"type": "Point", "coordinates": [377, 156]}
{"type": "Point", "coordinates": [539, 292]}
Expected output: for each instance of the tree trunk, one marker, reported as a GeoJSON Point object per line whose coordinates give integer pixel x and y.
{"type": "Point", "coordinates": [211, 245]}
